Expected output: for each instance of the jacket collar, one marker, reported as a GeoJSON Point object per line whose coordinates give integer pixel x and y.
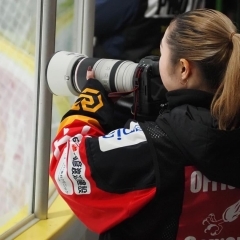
{"type": "Point", "coordinates": [189, 96]}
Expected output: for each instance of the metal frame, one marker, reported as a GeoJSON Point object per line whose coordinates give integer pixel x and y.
{"type": "Point", "coordinates": [45, 47]}
{"type": "Point", "coordinates": [46, 27]}
{"type": "Point", "coordinates": [84, 16]}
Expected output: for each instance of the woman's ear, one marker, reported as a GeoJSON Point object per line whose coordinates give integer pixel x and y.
{"type": "Point", "coordinates": [185, 71]}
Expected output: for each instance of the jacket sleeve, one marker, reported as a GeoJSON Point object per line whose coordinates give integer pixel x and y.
{"type": "Point", "coordinates": [104, 175]}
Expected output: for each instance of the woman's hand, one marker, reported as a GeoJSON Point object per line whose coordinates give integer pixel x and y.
{"type": "Point", "coordinates": [90, 73]}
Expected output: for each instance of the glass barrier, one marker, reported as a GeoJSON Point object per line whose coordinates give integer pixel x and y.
{"type": "Point", "coordinates": [17, 97]}
{"type": "Point", "coordinates": [17, 47]}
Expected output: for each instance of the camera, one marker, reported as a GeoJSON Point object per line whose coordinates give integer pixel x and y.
{"type": "Point", "coordinates": [140, 83]}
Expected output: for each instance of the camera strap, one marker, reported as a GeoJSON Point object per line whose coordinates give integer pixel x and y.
{"type": "Point", "coordinates": [116, 95]}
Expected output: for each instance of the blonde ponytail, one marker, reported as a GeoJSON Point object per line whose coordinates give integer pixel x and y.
{"type": "Point", "coordinates": [226, 103]}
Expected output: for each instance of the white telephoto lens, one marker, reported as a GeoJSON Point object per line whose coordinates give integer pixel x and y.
{"type": "Point", "coordinates": [124, 76]}
{"type": "Point", "coordinates": [59, 73]}
{"type": "Point", "coordinates": [102, 69]}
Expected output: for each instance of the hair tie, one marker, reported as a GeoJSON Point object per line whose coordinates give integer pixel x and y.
{"type": "Point", "coordinates": [231, 35]}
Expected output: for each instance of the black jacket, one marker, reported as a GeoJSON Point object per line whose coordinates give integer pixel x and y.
{"type": "Point", "coordinates": [183, 135]}
{"type": "Point", "coordinates": [149, 180]}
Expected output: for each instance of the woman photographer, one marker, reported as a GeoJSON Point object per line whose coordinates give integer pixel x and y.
{"type": "Point", "coordinates": [166, 179]}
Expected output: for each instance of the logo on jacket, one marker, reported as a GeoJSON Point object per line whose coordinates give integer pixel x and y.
{"type": "Point", "coordinates": [90, 100]}
{"type": "Point", "coordinates": [122, 137]}
{"type": "Point", "coordinates": [229, 215]}
{"type": "Point", "coordinates": [70, 174]}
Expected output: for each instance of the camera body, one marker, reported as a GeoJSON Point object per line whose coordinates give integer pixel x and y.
{"type": "Point", "coordinates": [139, 82]}
{"type": "Point", "coordinates": [151, 92]}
